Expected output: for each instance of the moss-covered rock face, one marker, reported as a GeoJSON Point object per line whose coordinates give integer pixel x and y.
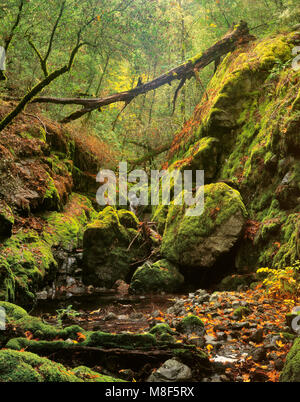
{"type": "Point", "coordinates": [291, 369]}
{"type": "Point", "coordinates": [162, 276]}
{"type": "Point", "coordinates": [198, 241]}
{"type": "Point", "coordinates": [107, 255]}
{"type": "Point", "coordinates": [203, 155]}
{"type": "Point", "coordinates": [253, 110]}
{"type": "Point", "coordinates": [28, 253]}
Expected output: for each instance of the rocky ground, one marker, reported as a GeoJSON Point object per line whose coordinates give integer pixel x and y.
{"type": "Point", "coordinates": [245, 334]}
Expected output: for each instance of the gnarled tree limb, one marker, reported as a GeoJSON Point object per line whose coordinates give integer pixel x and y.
{"type": "Point", "coordinates": [238, 35]}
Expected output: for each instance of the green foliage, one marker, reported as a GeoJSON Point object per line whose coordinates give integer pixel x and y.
{"type": "Point", "coordinates": [124, 41]}
{"type": "Point", "coordinates": [63, 313]}
{"type": "Point", "coordinates": [282, 282]}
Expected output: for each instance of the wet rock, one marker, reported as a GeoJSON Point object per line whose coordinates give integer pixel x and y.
{"type": "Point", "coordinates": [259, 355]}
{"type": "Point", "coordinates": [171, 371]}
{"type": "Point", "coordinates": [240, 325]}
{"type": "Point", "coordinates": [123, 317]}
{"type": "Point", "coordinates": [202, 295]}
{"type": "Point", "coordinates": [278, 364]}
{"type": "Point", "coordinates": [43, 295]}
{"type": "Point", "coordinates": [257, 336]}
{"type": "Point", "coordinates": [110, 316]}
{"type": "Point", "coordinates": [136, 316]}
{"type": "Point", "coordinates": [221, 336]}
{"type": "Point", "coordinates": [77, 289]}
{"type": "Point", "coordinates": [240, 312]}
{"type": "Point", "coordinates": [198, 341]}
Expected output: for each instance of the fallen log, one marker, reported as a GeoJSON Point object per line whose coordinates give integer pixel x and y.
{"type": "Point", "coordinates": [116, 359]}
{"type": "Point", "coordinates": [237, 36]}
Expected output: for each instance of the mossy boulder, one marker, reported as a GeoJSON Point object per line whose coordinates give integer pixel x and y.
{"type": "Point", "coordinates": [111, 244]}
{"type": "Point", "coordinates": [23, 367]}
{"type": "Point", "coordinates": [18, 366]}
{"type": "Point", "coordinates": [23, 322]}
{"type": "Point", "coordinates": [13, 312]}
{"type": "Point", "coordinates": [162, 276]}
{"type": "Point", "coordinates": [291, 369]}
{"type": "Point", "coordinates": [6, 220]}
{"type": "Point", "coordinates": [191, 325]}
{"type": "Point", "coordinates": [198, 241]}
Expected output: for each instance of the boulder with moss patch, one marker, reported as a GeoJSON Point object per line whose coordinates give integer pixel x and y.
{"type": "Point", "coordinates": [198, 241]}
{"type": "Point", "coordinates": [191, 325]}
{"type": "Point", "coordinates": [111, 244]}
{"type": "Point", "coordinates": [162, 276]}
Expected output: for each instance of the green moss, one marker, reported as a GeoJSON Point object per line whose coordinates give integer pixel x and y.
{"type": "Point", "coordinates": [291, 369]}
{"type": "Point", "coordinates": [29, 259]}
{"type": "Point", "coordinates": [28, 254]}
{"type": "Point", "coordinates": [87, 375]}
{"type": "Point", "coordinates": [161, 276]}
{"type": "Point", "coordinates": [234, 282]}
{"type": "Point", "coordinates": [66, 229]}
{"type": "Point", "coordinates": [7, 281]}
{"type": "Point", "coordinates": [161, 328]}
{"type": "Point", "coordinates": [51, 199]}
{"type": "Point", "coordinates": [128, 219]}
{"type": "Point", "coordinates": [184, 234]}
{"type": "Point", "coordinates": [23, 322]}
{"type": "Point", "coordinates": [159, 216]}
{"type": "Point", "coordinates": [27, 367]}
{"type": "Point", "coordinates": [107, 255]}
{"type": "Point", "coordinates": [190, 324]}
{"type": "Point", "coordinates": [240, 312]}
{"type": "Point", "coordinates": [13, 312]}
{"type": "Point", "coordinates": [125, 341]}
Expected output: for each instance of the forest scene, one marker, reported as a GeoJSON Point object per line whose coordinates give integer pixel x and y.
{"type": "Point", "coordinates": [149, 193]}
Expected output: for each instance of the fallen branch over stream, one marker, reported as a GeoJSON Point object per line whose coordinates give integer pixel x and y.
{"type": "Point", "coordinates": [237, 36]}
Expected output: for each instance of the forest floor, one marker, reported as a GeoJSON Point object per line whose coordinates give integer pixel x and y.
{"type": "Point", "coordinates": [245, 331]}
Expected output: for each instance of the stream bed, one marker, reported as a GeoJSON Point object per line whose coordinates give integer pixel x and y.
{"type": "Point", "coordinates": [244, 333]}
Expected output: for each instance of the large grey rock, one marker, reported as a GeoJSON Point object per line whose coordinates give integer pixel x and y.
{"type": "Point", "coordinates": [171, 371]}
